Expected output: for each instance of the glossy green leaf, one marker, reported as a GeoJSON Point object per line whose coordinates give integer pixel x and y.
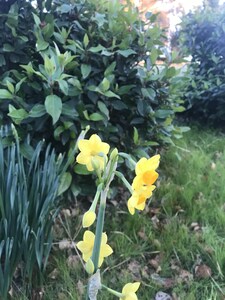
{"type": "Point", "coordinates": [135, 136]}
{"type": "Point", "coordinates": [81, 170]}
{"type": "Point", "coordinates": [163, 114]}
{"type": "Point", "coordinates": [65, 182]}
{"type": "Point", "coordinates": [126, 53]}
{"type": "Point", "coordinates": [110, 94]}
{"type": "Point", "coordinates": [96, 49]}
{"type": "Point", "coordinates": [154, 55]}
{"type": "Point", "coordinates": [10, 87]}
{"type": "Point", "coordinates": [96, 117]}
{"type": "Point", "coordinates": [104, 85]}
{"type": "Point", "coordinates": [37, 111]}
{"type": "Point", "coordinates": [18, 115]}
{"type": "Point", "coordinates": [53, 106]}
{"type": "Point", "coordinates": [85, 70]}
{"type": "Point", "coordinates": [5, 94]}
{"type": "Point", "coordinates": [8, 48]}
{"type": "Point", "coordinates": [63, 85]}
{"type": "Point", "coordinates": [103, 108]}
{"type": "Point", "coordinates": [86, 40]}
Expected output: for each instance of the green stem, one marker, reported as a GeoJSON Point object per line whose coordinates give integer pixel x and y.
{"type": "Point", "coordinates": [128, 157]}
{"type": "Point", "coordinates": [110, 171]}
{"type": "Point", "coordinates": [121, 176]}
{"type": "Point", "coordinates": [115, 293]}
{"type": "Point", "coordinates": [99, 229]}
{"type": "Point", "coordinates": [70, 158]}
{"type": "Point", "coordinates": [97, 195]}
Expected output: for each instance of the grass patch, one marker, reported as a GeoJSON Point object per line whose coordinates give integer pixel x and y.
{"type": "Point", "coordinates": [166, 246]}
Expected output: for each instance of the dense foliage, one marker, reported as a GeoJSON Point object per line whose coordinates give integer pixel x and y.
{"type": "Point", "coordinates": [28, 207]}
{"type": "Point", "coordinates": [69, 64]}
{"type": "Point", "coordinates": [203, 37]}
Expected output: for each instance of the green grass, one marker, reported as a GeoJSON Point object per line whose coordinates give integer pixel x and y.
{"type": "Point", "coordinates": [191, 190]}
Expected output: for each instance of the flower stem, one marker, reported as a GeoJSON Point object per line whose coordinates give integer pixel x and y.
{"type": "Point", "coordinates": [119, 295]}
{"type": "Point", "coordinates": [128, 157]}
{"type": "Point", "coordinates": [121, 176]}
{"type": "Point", "coordinates": [70, 158]}
{"type": "Point", "coordinates": [97, 195]}
{"type": "Point", "coordinates": [98, 233]}
{"type": "Point", "coordinates": [99, 230]}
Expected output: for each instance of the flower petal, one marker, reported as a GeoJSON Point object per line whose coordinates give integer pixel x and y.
{"type": "Point", "coordinates": [135, 286]}
{"type": "Point", "coordinates": [84, 146]}
{"type": "Point", "coordinates": [127, 288]}
{"type": "Point", "coordinates": [100, 261]}
{"type": "Point", "coordinates": [140, 206]}
{"type": "Point", "coordinates": [87, 256]}
{"type": "Point", "coordinates": [82, 158]}
{"type": "Point", "coordinates": [130, 288]}
{"type": "Point", "coordinates": [104, 238]}
{"type": "Point", "coordinates": [89, 237]}
{"type": "Point", "coordinates": [149, 177]}
{"type": "Point", "coordinates": [106, 250]}
{"type": "Point", "coordinates": [153, 162]}
{"type": "Point", "coordinates": [140, 165]}
{"type": "Point", "coordinates": [97, 145]}
{"type": "Point", "coordinates": [131, 296]}
{"type": "Point", "coordinates": [131, 204]}
{"type": "Point", "coordinates": [84, 247]}
{"type": "Point", "coordinates": [145, 164]}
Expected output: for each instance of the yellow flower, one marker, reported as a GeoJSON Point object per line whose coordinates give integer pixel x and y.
{"type": "Point", "coordinates": [145, 171]}
{"type": "Point", "coordinates": [88, 218]}
{"type": "Point", "coordinates": [86, 247]}
{"type": "Point", "coordinates": [129, 291]}
{"type": "Point", "coordinates": [92, 152]}
{"type": "Point", "coordinates": [144, 164]}
{"type": "Point", "coordinates": [139, 197]}
{"type": "Point", "coordinates": [143, 182]}
{"type": "Point", "coordinates": [145, 179]}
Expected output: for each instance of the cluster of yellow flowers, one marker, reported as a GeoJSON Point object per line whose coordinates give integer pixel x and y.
{"type": "Point", "coordinates": [143, 182]}
{"type": "Point", "coordinates": [93, 154]}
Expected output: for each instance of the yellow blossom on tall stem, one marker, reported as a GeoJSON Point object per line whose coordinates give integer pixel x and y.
{"type": "Point", "coordinates": [129, 291]}
{"type": "Point", "coordinates": [92, 152]}
{"type": "Point", "coordinates": [138, 198]}
{"type": "Point", "coordinates": [144, 164]}
{"type": "Point", "coordinates": [142, 185]}
{"type": "Point", "coordinates": [145, 171]}
{"type": "Point", "coordinates": [86, 247]}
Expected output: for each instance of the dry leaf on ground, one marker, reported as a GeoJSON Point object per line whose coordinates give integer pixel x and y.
{"type": "Point", "coordinates": [203, 271]}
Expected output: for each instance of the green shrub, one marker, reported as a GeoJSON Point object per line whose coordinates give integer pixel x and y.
{"type": "Point", "coordinates": [76, 63]}
{"type": "Point", "coordinates": [202, 36]}
{"type": "Point", "coordinates": [28, 207]}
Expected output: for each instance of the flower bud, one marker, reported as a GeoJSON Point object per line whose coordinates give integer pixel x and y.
{"type": "Point", "coordinates": [114, 154]}
{"type": "Point", "coordinates": [95, 164]}
{"type": "Point", "coordinates": [88, 218]}
{"type": "Point", "coordinates": [89, 267]}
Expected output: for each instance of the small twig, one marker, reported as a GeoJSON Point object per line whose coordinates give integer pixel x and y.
{"type": "Point", "coordinates": [19, 290]}
{"type": "Point", "coordinates": [116, 266]}
{"type": "Point", "coordinates": [72, 241]}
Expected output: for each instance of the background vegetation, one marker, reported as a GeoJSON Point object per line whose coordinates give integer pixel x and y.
{"type": "Point", "coordinates": [175, 246]}
{"type": "Point", "coordinates": [71, 64]}
{"type": "Point", "coordinates": [202, 36]}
